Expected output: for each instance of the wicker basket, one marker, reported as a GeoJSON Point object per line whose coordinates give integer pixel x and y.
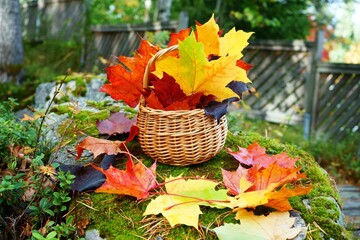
{"type": "Point", "coordinates": [180, 138]}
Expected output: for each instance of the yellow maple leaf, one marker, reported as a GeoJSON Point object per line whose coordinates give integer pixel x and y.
{"type": "Point", "coordinates": [195, 74]}
{"type": "Point", "coordinates": [181, 203]}
{"type": "Point", "coordinates": [275, 226]}
{"type": "Point", "coordinates": [234, 42]}
{"type": "Point", "coordinates": [208, 35]}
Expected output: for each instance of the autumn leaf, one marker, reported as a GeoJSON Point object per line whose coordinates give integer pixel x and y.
{"type": "Point", "coordinates": [279, 199]}
{"type": "Point", "coordinates": [87, 178]}
{"type": "Point", "coordinates": [118, 123]}
{"type": "Point", "coordinates": [180, 204]}
{"type": "Point", "coordinates": [126, 77]}
{"type": "Point", "coordinates": [275, 226]}
{"type": "Point", "coordinates": [272, 177]}
{"type": "Point", "coordinates": [180, 36]}
{"type": "Point", "coordinates": [240, 63]}
{"type": "Point", "coordinates": [219, 109]}
{"type": "Point", "coordinates": [233, 42]}
{"type": "Point", "coordinates": [98, 146]}
{"type": "Point", "coordinates": [195, 74]}
{"type": "Point", "coordinates": [207, 33]}
{"type": "Point", "coordinates": [167, 95]}
{"type": "Point", "coordinates": [28, 118]}
{"type": "Point", "coordinates": [256, 155]}
{"type": "Point", "coordinates": [236, 182]}
{"type": "Point", "coordinates": [137, 180]}
{"type": "Point", "coordinates": [265, 179]}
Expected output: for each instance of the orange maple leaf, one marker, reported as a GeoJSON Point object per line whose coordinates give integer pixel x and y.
{"type": "Point", "coordinates": [180, 36]}
{"type": "Point", "coordinates": [126, 78]}
{"type": "Point", "coordinates": [272, 177]}
{"type": "Point", "coordinates": [279, 200]}
{"type": "Point", "coordinates": [98, 146]}
{"type": "Point", "coordinates": [137, 180]}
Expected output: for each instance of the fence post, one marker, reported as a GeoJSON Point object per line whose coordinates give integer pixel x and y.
{"type": "Point", "coordinates": [312, 86]}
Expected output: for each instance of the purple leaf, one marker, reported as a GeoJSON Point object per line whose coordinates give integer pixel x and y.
{"type": "Point", "coordinates": [88, 178]}
{"type": "Point", "coordinates": [219, 109]}
{"type": "Point", "coordinates": [238, 87]}
{"type": "Point", "coordinates": [118, 123]}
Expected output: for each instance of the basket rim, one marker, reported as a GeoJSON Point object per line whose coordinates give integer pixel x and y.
{"type": "Point", "coordinates": [171, 112]}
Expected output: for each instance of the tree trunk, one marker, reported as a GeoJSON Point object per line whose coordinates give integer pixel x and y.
{"type": "Point", "coordinates": [11, 48]}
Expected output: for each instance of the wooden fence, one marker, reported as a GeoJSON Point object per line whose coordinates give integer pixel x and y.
{"type": "Point", "coordinates": [279, 76]}
{"type": "Point", "coordinates": [53, 19]}
{"type": "Point", "coordinates": [336, 100]}
{"type": "Point", "coordinates": [122, 40]}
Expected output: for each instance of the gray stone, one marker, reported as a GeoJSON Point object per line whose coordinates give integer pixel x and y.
{"type": "Point", "coordinates": [44, 93]}
{"type": "Point", "coordinates": [93, 235]}
{"type": "Point", "coordinates": [299, 223]}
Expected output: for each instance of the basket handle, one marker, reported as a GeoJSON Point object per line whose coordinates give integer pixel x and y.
{"type": "Point", "coordinates": [157, 55]}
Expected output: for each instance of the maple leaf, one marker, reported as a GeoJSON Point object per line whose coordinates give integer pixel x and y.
{"type": "Point", "coordinates": [275, 226]}
{"type": "Point", "coordinates": [219, 109]}
{"type": "Point", "coordinates": [238, 87]}
{"type": "Point", "coordinates": [256, 155]}
{"type": "Point", "coordinates": [195, 74]}
{"type": "Point", "coordinates": [167, 95]}
{"type": "Point", "coordinates": [126, 78]}
{"type": "Point", "coordinates": [272, 177]}
{"type": "Point", "coordinates": [180, 205]}
{"type": "Point", "coordinates": [153, 101]}
{"type": "Point", "coordinates": [180, 36]}
{"type": "Point", "coordinates": [98, 146]}
{"type": "Point", "coordinates": [279, 200]}
{"type": "Point", "coordinates": [233, 42]}
{"type": "Point", "coordinates": [208, 35]}
{"type": "Point", "coordinates": [240, 63]}
{"type": "Point", "coordinates": [137, 180]}
{"type": "Point", "coordinates": [87, 178]}
{"type": "Point", "coordinates": [236, 182]}
{"type": "Point", "coordinates": [118, 123]}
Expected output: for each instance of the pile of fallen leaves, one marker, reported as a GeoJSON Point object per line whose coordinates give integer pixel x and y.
{"type": "Point", "coordinates": [204, 72]}
{"type": "Point", "coordinates": [259, 180]}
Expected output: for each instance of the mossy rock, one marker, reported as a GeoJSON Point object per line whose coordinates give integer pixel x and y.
{"type": "Point", "coordinates": [121, 217]}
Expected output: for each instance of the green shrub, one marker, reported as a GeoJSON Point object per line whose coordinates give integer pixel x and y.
{"type": "Point", "coordinates": [14, 133]}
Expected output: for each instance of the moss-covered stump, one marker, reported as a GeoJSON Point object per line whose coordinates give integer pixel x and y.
{"type": "Point", "coordinates": [121, 217]}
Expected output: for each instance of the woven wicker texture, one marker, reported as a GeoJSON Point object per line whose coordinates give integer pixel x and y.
{"type": "Point", "coordinates": [180, 138]}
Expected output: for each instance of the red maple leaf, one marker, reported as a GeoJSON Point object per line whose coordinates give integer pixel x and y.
{"type": "Point", "coordinates": [167, 90]}
{"type": "Point", "coordinates": [167, 95]}
{"type": "Point", "coordinates": [243, 65]}
{"type": "Point", "coordinates": [137, 180]}
{"type": "Point", "coordinates": [256, 155]}
{"type": "Point", "coordinates": [232, 180]}
{"type": "Point", "coordinates": [125, 78]}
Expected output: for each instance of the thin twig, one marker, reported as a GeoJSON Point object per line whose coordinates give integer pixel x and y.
{"type": "Point", "coordinates": [46, 112]}
{"type": "Point", "coordinates": [3, 222]}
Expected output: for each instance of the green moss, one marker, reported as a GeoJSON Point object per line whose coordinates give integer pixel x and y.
{"type": "Point", "coordinates": [79, 122]}
{"type": "Point", "coordinates": [115, 216]}
{"type": "Point", "coordinates": [320, 218]}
